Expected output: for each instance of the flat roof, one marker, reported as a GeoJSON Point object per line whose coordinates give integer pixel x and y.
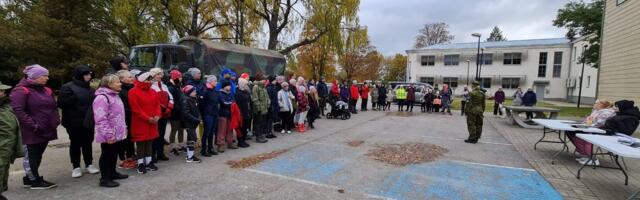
{"type": "Point", "coordinates": [500, 44]}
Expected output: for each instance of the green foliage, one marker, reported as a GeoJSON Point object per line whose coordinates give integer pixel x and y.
{"type": "Point", "coordinates": [496, 35]}
{"type": "Point", "coordinates": [396, 68]}
{"type": "Point", "coordinates": [583, 19]}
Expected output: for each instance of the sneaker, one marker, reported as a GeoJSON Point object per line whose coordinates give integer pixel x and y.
{"type": "Point", "coordinates": [76, 173]}
{"type": "Point", "coordinates": [593, 162]}
{"type": "Point", "coordinates": [261, 140]}
{"type": "Point", "coordinates": [92, 170]}
{"type": "Point", "coordinates": [205, 154]}
{"type": "Point", "coordinates": [152, 167]}
{"type": "Point", "coordinates": [582, 159]}
{"type": "Point", "coordinates": [280, 132]}
{"type": "Point", "coordinates": [42, 185]}
{"type": "Point", "coordinates": [142, 169]}
{"type": "Point", "coordinates": [471, 141]}
{"type": "Point", "coordinates": [118, 176]}
{"type": "Point", "coordinates": [243, 145]}
{"type": "Point", "coordinates": [109, 183]}
{"type": "Point", "coordinates": [288, 131]}
{"type": "Point", "coordinates": [194, 159]}
{"type": "Point", "coordinates": [271, 136]}
{"type": "Point", "coordinates": [26, 182]}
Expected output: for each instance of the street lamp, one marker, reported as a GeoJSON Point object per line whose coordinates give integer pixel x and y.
{"type": "Point", "coordinates": [481, 62]}
{"type": "Point", "coordinates": [468, 61]}
{"type": "Point", "coordinates": [584, 49]}
{"type": "Point", "coordinates": [477, 54]}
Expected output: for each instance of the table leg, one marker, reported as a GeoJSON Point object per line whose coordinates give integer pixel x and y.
{"type": "Point", "coordinates": [544, 134]}
{"type": "Point", "coordinates": [564, 146]}
{"type": "Point", "coordinates": [591, 158]}
{"type": "Point", "coordinates": [626, 177]}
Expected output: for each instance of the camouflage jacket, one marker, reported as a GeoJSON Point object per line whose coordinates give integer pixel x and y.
{"type": "Point", "coordinates": [260, 99]}
{"type": "Point", "coordinates": [10, 139]}
{"type": "Point", "coordinates": [476, 103]}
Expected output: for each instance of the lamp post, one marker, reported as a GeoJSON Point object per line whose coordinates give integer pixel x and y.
{"type": "Point", "coordinates": [481, 61]}
{"type": "Point", "coordinates": [478, 35]}
{"type": "Point", "coordinates": [468, 61]}
{"type": "Point", "coordinates": [584, 48]}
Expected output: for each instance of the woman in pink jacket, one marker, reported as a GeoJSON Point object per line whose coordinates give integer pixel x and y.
{"type": "Point", "coordinates": [110, 128]}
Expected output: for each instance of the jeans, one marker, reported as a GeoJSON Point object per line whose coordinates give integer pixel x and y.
{"type": "Point", "coordinates": [81, 141]}
{"type": "Point", "coordinates": [210, 127]}
{"type": "Point", "coordinates": [108, 160]}
{"type": "Point", "coordinates": [157, 150]}
{"type": "Point", "coordinates": [32, 159]}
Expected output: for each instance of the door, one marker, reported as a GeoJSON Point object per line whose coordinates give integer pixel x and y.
{"type": "Point", "coordinates": [540, 89]}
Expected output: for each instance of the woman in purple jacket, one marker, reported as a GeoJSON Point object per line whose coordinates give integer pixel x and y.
{"type": "Point", "coordinates": [110, 127]}
{"type": "Point", "coordinates": [37, 112]}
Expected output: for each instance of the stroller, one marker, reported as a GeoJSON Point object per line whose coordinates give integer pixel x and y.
{"type": "Point", "coordinates": [339, 109]}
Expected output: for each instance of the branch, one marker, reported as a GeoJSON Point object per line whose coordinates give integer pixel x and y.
{"type": "Point", "coordinates": [306, 41]}
{"type": "Point", "coordinates": [287, 12]}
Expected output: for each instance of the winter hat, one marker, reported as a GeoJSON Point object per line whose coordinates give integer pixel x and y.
{"type": "Point", "coordinates": [193, 71]}
{"type": "Point", "coordinates": [34, 72]}
{"type": "Point", "coordinates": [135, 72]}
{"type": "Point", "coordinates": [243, 84]}
{"type": "Point", "coordinates": [271, 78]}
{"type": "Point", "coordinates": [225, 83]}
{"type": "Point", "coordinates": [188, 89]}
{"type": "Point", "coordinates": [244, 75]}
{"type": "Point", "coordinates": [144, 76]}
{"type": "Point", "coordinates": [175, 74]}
{"type": "Point", "coordinates": [624, 104]}
{"type": "Point", "coordinates": [211, 79]}
{"type": "Point", "coordinates": [155, 71]}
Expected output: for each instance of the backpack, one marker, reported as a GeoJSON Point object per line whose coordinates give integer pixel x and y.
{"type": "Point", "coordinates": [89, 121]}
{"type": "Point", "coordinates": [164, 100]}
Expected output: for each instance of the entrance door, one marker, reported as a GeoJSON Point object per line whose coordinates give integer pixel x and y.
{"type": "Point", "coordinates": [540, 89]}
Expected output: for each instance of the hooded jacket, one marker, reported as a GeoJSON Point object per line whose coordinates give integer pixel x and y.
{"type": "Point", "coordinates": [260, 100]}
{"type": "Point", "coordinates": [411, 93]}
{"type": "Point", "coordinates": [144, 104]}
{"type": "Point", "coordinates": [374, 95]}
{"type": "Point", "coordinates": [382, 93]}
{"type": "Point", "coordinates": [272, 90]}
{"type": "Point", "coordinates": [243, 99]}
{"type": "Point", "coordinates": [37, 112]}
{"type": "Point", "coordinates": [529, 99]}
{"type": "Point", "coordinates": [109, 116]}
{"type": "Point", "coordinates": [335, 91]}
{"type": "Point", "coordinates": [499, 96]}
{"type": "Point", "coordinates": [221, 78]}
{"type": "Point", "coordinates": [344, 93]}
{"type": "Point", "coordinates": [210, 102]}
{"type": "Point", "coordinates": [10, 140]}
{"type": "Point", "coordinates": [190, 112]}
{"type": "Point", "coordinates": [75, 98]}
{"type": "Point", "coordinates": [354, 92]}
{"type": "Point", "coordinates": [303, 104]}
{"type": "Point", "coordinates": [626, 120]}
{"type": "Point", "coordinates": [365, 92]}
{"type": "Point", "coordinates": [323, 91]}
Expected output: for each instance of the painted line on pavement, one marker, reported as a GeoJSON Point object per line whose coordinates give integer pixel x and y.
{"type": "Point", "coordinates": [310, 182]}
{"type": "Point", "coordinates": [490, 165]}
{"type": "Point", "coordinates": [461, 139]}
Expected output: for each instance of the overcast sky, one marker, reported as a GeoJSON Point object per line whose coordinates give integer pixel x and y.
{"type": "Point", "coordinates": [393, 25]}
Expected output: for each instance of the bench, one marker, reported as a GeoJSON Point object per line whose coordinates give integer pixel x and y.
{"type": "Point", "coordinates": [514, 117]}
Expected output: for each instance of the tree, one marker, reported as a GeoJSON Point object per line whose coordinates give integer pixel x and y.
{"type": "Point", "coordinates": [194, 17]}
{"type": "Point", "coordinates": [395, 67]}
{"type": "Point", "coordinates": [583, 19]}
{"type": "Point", "coordinates": [353, 56]}
{"type": "Point", "coordinates": [496, 35]}
{"type": "Point", "coordinates": [433, 33]}
{"type": "Point", "coordinates": [317, 59]}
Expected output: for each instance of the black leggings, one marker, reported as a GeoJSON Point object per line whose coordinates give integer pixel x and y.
{"type": "Point", "coordinates": [31, 162]}
{"type": "Point", "coordinates": [81, 140]}
{"type": "Point", "coordinates": [126, 149]}
{"type": "Point", "coordinates": [157, 150]}
{"type": "Point", "coordinates": [287, 120]}
{"type": "Point", "coordinates": [108, 159]}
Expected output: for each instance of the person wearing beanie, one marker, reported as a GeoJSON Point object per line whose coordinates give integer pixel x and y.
{"type": "Point", "coordinates": [10, 140]}
{"type": "Point", "coordinates": [261, 102]}
{"type": "Point", "coordinates": [209, 111]}
{"type": "Point", "coordinates": [146, 112]}
{"type": "Point", "coordinates": [127, 151]}
{"type": "Point", "coordinates": [119, 62]}
{"type": "Point", "coordinates": [166, 106]}
{"type": "Point", "coordinates": [190, 120]}
{"type": "Point", "coordinates": [74, 100]}
{"type": "Point", "coordinates": [243, 100]}
{"type": "Point", "coordinates": [35, 106]}
{"type": "Point", "coordinates": [225, 100]}
{"type": "Point", "coordinates": [174, 85]}
{"type": "Point", "coordinates": [355, 95]}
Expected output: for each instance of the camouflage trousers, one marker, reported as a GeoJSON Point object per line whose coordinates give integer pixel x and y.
{"type": "Point", "coordinates": [474, 125]}
{"type": "Point", "coordinates": [4, 176]}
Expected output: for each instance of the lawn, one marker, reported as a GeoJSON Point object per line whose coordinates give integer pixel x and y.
{"type": "Point", "coordinates": [564, 111]}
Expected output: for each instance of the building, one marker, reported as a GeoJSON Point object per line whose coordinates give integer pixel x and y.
{"type": "Point", "coordinates": [545, 65]}
{"type": "Point", "coordinates": [620, 51]}
{"type": "Point", "coordinates": [589, 83]}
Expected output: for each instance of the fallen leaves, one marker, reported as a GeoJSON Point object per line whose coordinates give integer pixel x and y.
{"type": "Point", "coordinates": [355, 143]}
{"type": "Point", "coordinates": [406, 153]}
{"type": "Point", "coordinates": [253, 160]}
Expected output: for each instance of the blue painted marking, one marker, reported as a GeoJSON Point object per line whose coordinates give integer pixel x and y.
{"type": "Point", "coordinates": [311, 164]}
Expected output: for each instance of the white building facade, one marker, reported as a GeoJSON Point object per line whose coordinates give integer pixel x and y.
{"type": "Point", "coordinates": [541, 64]}
{"type": "Point", "coordinates": [590, 80]}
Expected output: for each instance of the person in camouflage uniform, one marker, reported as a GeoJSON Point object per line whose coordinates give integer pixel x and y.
{"type": "Point", "coordinates": [474, 111]}
{"type": "Point", "coordinates": [10, 143]}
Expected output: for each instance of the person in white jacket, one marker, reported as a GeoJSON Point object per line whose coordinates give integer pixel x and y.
{"type": "Point", "coordinates": [285, 97]}
{"type": "Point", "coordinates": [167, 105]}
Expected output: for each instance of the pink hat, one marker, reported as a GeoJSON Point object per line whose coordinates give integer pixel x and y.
{"type": "Point", "coordinates": [188, 89]}
{"type": "Point", "coordinates": [244, 75]}
{"type": "Point", "coordinates": [175, 74]}
{"type": "Point", "coordinates": [34, 72]}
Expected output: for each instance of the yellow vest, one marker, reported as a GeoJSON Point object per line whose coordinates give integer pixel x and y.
{"type": "Point", "coordinates": [401, 94]}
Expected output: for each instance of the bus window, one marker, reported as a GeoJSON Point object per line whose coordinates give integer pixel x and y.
{"type": "Point", "coordinates": [166, 59]}
{"type": "Point", "coordinates": [181, 59]}
{"type": "Point", "coordinates": [144, 57]}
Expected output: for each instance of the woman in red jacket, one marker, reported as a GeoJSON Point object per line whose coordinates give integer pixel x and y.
{"type": "Point", "coordinates": [145, 109]}
{"type": "Point", "coordinates": [364, 94]}
{"type": "Point", "coordinates": [355, 94]}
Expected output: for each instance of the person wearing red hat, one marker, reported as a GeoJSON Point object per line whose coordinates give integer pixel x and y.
{"type": "Point", "coordinates": [174, 85]}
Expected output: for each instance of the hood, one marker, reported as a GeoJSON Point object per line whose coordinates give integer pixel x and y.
{"type": "Point", "coordinates": [142, 85]}
{"type": "Point", "coordinates": [80, 71]}
{"type": "Point", "coordinates": [225, 71]}
{"type": "Point", "coordinates": [105, 91]}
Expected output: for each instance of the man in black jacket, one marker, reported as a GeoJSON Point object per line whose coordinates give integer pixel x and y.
{"type": "Point", "coordinates": [626, 120]}
{"type": "Point", "coordinates": [75, 99]}
{"type": "Point", "coordinates": [323, 92]}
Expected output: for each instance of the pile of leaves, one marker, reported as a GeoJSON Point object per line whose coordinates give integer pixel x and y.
{"type": "Point", "coordinates": [355, 143]}
{"type": "Point", "coordinates": [406, 153]}
{"type": "Point", "coordinates": [254, 160]}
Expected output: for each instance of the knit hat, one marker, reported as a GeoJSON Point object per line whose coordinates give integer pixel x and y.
{"type": "Point", "coordinates": [155, 71]}
{"type": "Point", "coordinates": [225, 83]}
{"type": "Point", "coordinates": [244, 75]}
{"type": "Point", "coordinates": [188, 89]}
{"type": "Point", "coordinates": [135, 72]}
{"type": "Point", "coordinates": [34, 72]}
{"type": "Point", "coordinates": [212, 79]}
{"type": "Point", "coordinates": [175, 74]}
{"type": "Point", "coordinates": [624, 104]}
{"type": "Point", "coordinates": [193, 71]}
{"type": "Point", "coordinates": [144, 76]}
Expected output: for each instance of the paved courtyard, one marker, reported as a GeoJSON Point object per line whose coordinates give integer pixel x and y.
{"type": "Point", "coordinates": [320, 165]}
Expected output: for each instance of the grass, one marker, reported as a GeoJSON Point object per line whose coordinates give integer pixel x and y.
{"type": "Point", "coordinates": [564, 111]}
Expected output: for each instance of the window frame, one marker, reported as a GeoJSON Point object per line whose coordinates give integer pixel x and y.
{"type": "Point", "coordinates": [511, 57]}
{"type": "Point", "coordinates": [451, 62]}
{"type": "Point", "coordinates": [451, 81]}
{"type": "Point", "coordinates": [557, 64]}
{"type": "Point", "coordinates": [510, 83]}
{"type": "Point", "coordinates": [485, 82]}
{"type": "Point", "coordinates": [428, 62]}
{"type": "Point", "coordinates": [542, 65]}
{"type": "Point", "coordinates": [484, 59]}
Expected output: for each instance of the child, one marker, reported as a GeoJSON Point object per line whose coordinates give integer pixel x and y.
{"type": "Point", "coordinates": [190, 120]}
{"type": "Point", "coordinates": [437, 102]}
{"type": "Point", "coordinates": [427, 105]}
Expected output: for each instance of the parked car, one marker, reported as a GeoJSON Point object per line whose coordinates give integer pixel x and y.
{"type": "Point", "coordinates": [421, 90]}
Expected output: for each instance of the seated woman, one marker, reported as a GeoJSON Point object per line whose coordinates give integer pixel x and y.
{"type": "Point", "coordinates": [602, 110]}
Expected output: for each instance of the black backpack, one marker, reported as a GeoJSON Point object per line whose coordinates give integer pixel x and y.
{"type": "Point", "coordinates": [89, 121]}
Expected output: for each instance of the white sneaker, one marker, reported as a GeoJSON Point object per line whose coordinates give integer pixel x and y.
{"type": "Point", "coordinates": [92, 170]}
{"type": "Point", "coordinates": [582, 159]}
{"type": "Point", "coordinates": [76, 173]}
{"type": "Point", "coordinates": [288, 131]}
{"type": "Point", "coordinates": [593, 162]}
{"type": "Point", "coordinates": [282, 131]}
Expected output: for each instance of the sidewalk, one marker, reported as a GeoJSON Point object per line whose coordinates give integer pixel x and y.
{"type": "Point", "coordinates": [593, 184]}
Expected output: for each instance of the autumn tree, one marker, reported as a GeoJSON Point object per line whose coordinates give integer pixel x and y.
{"type": "Point", "coordinates": [583, 19]}
{"type": "Point", "coordinates": [432, 34]}
{"type": "Point", "coordinates": [352, 56]}
{"type": "Point", "coordinates": [395, 67]}
{"type": "Point", "coordinates": [195, 17]}
{"type": "Point", "coordinates": [496, 35]}
{"type": "Point", "coordinates": [318, 59]}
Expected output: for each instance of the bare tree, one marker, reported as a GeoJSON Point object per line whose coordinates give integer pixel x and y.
{"type": "Point", "coordinates": [433, 33]}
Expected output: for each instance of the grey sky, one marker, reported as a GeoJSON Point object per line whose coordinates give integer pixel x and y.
{"type": "Point", "coordinates": [393, 25]}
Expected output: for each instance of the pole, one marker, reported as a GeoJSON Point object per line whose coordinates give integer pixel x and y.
{"type": "Point", "coordinates": [481, 62]}
{"type": "Point", "coordinates": [468, 72]}
{"type": "Point", "coordinates": [581, 76]}
{"type": "Point", "coordinates": [478, 59]}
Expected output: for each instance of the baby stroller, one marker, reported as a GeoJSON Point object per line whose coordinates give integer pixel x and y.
{"type": "Point", "coordinates": [339, 109]}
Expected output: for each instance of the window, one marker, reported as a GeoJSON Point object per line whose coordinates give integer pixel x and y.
{"type": "Point", "coordinates": [453, 59]}
{"type": "Point", "coordinates": [557, 64]}
{"type": "Point", "coordinates": [485, 82]}
{"type": "Point", "coordinates": [428, 80]}
{"type": "Point", "coordinates": [487, 59]}
{"type": "Point", "coordinates": [512, 58]}
{"type": "Point", "coordinates": [588, 81]}
{"type": "Point", "coordinates": [427, 60]}
{"type": "Point", "coordinates": [451, 81]}
{"type": "Point", "coordinates": [575, 52]}
{"type": "Point", "coordinates": [542, 65]}
{"type": "Point", "coordinates": [510, 83]}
